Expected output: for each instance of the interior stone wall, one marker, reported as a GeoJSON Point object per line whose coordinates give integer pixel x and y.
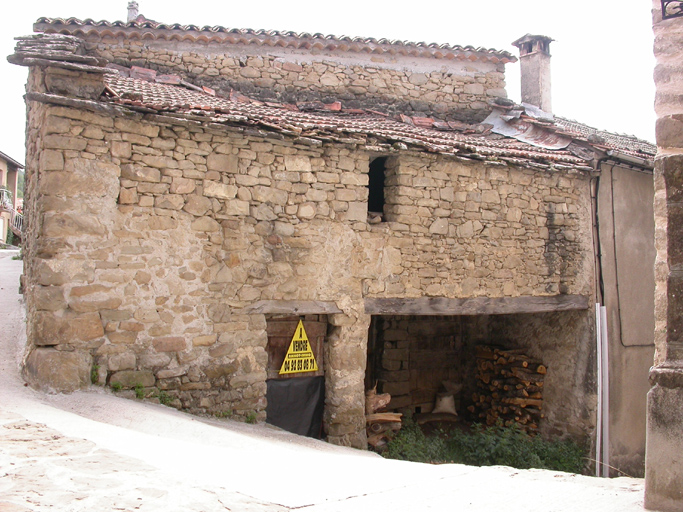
{"type": "Point", "coordinates": [563, 341]}
{"type": "Point", "coordinates": [415, 355]}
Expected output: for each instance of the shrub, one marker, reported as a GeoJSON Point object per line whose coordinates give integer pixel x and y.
{"type": "Point", "coordinates": [412, 444]}
{"type": "Point", "coordinates": [486, 446]}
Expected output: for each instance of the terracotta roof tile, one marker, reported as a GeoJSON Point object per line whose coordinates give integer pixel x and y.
{"type": "Point", "coordinates": [625, 143]}
{"type": "Point", "coordinates": [272, 38]}
{"type": "Point", "coordinates": [173, 100]}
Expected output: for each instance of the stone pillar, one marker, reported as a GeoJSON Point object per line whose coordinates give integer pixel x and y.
{"type": "Point", "coordinates": [664, 447]}
{"type": "Point", "coordinates": [346, 357]}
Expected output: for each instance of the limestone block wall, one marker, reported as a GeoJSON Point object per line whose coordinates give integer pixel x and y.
{"type": "Point", "coordinates": [447, 89]}
{"type": "Point", "coordinates": [147, 238]}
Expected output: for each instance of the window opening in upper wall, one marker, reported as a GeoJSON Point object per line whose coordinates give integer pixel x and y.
{"type": "Point", "coordinates": [377, 173]}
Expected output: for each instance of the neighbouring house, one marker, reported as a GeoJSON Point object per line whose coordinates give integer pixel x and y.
{"type": "Point", "coordinates": [664, 465]}
{"type": "Point", "coordinates": [193, 193]}
{"type": "Point", "coordinates": [10, 218]}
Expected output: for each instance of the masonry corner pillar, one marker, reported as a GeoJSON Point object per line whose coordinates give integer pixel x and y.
{"type": "Point", "coordinates": [664, 448]}
{"type": "Point", "coordinates": [664, 445]}
{"type": "Point", "coordinates": [346, 356]}
{"type": "Point", "coordinates": [664, 442]}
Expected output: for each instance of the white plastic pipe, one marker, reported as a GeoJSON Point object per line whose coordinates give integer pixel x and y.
{"type": "Point", "coordinates": [605, 391]}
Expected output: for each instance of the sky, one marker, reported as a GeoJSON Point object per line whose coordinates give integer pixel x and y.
{"type": "Point", "coordinates": [602, 61]}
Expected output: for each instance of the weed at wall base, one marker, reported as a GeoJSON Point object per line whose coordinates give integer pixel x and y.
{"type": "Point", "coordinates": [486, 446]}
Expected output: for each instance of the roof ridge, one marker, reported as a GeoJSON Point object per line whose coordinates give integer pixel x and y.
{"type": "Point", "coordinates": [149, 24]}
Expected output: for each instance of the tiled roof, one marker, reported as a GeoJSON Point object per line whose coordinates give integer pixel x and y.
{"type": "Point", "coordinates": [555, 143]}
{"type": "Point", "coordinates": [628, 144]}
{"type": "Point", "coordinates": [147, 29]}
{"type": "Point", "coordinates": [331, 122]}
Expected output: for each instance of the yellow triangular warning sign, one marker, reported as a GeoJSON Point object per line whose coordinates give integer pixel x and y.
{"type": "Point", "coordinates": [299, 356]}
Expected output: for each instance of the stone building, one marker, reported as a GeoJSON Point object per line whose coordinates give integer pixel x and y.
{"type": "Point", "coordinates": [664, 466]}
{"type": "Point", "coordinates": [10, 219]}
{"type": "Point", "coordinates": [195, 192]}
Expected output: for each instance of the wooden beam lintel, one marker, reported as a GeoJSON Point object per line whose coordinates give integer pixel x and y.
{"type": "Point", "coordinates": [442, 306]}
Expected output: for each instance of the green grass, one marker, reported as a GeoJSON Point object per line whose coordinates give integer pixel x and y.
{"type": "Point", "coordinates": [486, 446]}
{"type": "Point", "coordinates": [164, 398]}
{"type": "Point", "coordinates": [139, 391]}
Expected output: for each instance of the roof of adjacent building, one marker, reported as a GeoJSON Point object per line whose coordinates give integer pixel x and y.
{"type": "Point", "coordinates": [150, 30]}
{"type": "Point", "coordinates": [519, 135]}
{"type": "Point", "coordinates": [11, 160]}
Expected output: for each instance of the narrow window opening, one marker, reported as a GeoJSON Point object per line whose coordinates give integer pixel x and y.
{"type": "Point", "coordinates": [376, 185]}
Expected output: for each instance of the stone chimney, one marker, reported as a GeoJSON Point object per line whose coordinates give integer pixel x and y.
{"type": "Point", "coordinates": [132, 11]}
{"type": "Point", "coordinates": [534, 56]}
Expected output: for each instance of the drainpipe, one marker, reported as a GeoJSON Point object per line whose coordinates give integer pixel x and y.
{"type": "Point", "coordinates": [602, 339]}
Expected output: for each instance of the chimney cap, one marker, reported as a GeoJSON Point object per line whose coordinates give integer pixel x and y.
{"type": "Point", "coordinates": [133, 11]}
{"type": "Point", "coordinates": [530, 38]}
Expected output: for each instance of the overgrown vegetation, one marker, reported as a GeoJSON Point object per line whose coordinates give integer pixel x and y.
{"type": "Point", "coordinates": [485, 446]}
{"type": "Point", "coordinates": [116, 386]}
{"type": "Point", "coordinates": [251, 418]}
{"type": "Point", "coordinates": [164, 398]}
{"type": "Point", "coordinates": [95, 374]}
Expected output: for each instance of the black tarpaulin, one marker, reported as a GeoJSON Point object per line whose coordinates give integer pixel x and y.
{"type": "Point", "coordinates": [296, 405]}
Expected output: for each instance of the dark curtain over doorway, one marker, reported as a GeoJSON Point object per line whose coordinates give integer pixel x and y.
{"type": "Point", "coordinates": [296, 405]}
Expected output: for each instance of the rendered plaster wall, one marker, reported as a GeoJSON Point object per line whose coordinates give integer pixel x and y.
{"type": "Point", "coordinates": [146, 241]}
{"type": "Point", "coordinates": [626, 227]}
{"type": "Point", "coordinates": [8, 179]}
{"type": "Point", "coordinates": [447, 89]}
{"type": "Point", "coordinates": [663, 464]}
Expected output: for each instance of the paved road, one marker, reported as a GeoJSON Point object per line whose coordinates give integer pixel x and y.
{"type": "Point", "coordinates": [96, 451]}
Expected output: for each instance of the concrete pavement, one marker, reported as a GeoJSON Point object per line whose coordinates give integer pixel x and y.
{"type": "Point", "coordinates": [94, 450]}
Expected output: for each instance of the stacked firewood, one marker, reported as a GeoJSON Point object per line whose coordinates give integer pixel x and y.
{"type": "Point", "coordinates": [509, 388]}
{"type": "Point", "coordinates": [381, 426]}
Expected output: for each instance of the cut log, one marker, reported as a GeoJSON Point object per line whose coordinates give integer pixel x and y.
{"type": "Point", "coordinates": [383, 417]}
{"type": "Point", "coordinates": [378, 440]}
{"type": "Point", "coordinates": [375, 402]}
{"type": "Point", "coordinates": [523, 402]}
{"type": "Point", "coordinates": [377, 428]}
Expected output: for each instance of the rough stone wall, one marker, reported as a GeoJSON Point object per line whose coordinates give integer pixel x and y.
{"type": "Point", "coordinates": [663, 465]}
{"type": "Point", "coordinates": [462, 229]}
{"type": "Point", "coordinates": [147, 239]}
{"type": "Point", "coordinates": [447, 89]}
